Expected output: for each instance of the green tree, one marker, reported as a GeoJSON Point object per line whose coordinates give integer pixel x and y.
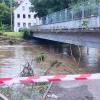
{"type": "Point", "coordinates": [8, 2]}
{"type": "Point", "coordinates": [4, 15]}
{"type": "Point", "coordinates": [44, 7]}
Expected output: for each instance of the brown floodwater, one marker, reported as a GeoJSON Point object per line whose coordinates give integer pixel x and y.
{"type": "Point", "coordinates": [13, 57]}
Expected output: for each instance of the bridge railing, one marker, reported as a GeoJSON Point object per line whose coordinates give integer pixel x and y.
{"type": "Point", "coordinates": [80, 11]}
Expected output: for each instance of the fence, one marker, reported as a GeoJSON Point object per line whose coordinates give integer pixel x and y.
{"type": "Point", "coordinates": [77, 12]}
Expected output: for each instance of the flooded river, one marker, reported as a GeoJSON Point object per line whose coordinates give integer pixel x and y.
{"type": "Point", "coordinates": [13, 57]}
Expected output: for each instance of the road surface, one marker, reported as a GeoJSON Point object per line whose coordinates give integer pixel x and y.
{"type": "Point", "coordinates": [75, 90]}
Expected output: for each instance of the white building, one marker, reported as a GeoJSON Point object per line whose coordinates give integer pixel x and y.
{"type": "Point", "coordinates": [24, 17]}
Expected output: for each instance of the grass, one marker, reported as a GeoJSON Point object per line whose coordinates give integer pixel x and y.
{"type": "Point", "coordinates": [14, 34]}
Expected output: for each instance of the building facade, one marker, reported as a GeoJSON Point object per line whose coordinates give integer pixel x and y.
{"type": "Point", "coordinates": [24, 17]}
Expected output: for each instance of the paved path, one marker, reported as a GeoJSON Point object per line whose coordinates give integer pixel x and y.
{"type": "Point", "coordinates": [75, 90]}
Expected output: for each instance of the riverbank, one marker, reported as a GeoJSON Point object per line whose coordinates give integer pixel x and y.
{"type": "Point", "coordinates": [4, 40]}
{"type": "Point", "coordinates": [11, 38]}
{"type": "Point", "coordinates": [12, 34]}
{"type": "Point", "coordinates": [58, 65]}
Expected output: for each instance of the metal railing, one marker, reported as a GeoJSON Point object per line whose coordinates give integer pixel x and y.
{"type": "Point", "coordinates": [77, 12]}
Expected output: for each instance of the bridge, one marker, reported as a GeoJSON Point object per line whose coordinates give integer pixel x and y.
{"type": "Point", "coordinates": [79, 27]}
{"type": "Point", "coordinates": [88, 38]}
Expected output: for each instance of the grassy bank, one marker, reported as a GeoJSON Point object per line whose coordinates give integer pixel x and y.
{"type": "Point", "coordinates": [14, 34]}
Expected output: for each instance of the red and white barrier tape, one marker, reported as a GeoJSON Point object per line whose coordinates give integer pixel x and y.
{"type": "Point", "coordinates": [10, 81]}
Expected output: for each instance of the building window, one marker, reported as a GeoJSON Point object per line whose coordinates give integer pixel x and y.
{"type": "Point", "coordinates": [24, 16]}
{"type": "Point", "coordinates": [23, 7]}
{"type": "Point", "coordinates": [18, 24]}
{"type": "Point", "coordinates": [29, 24]}
{"type": "Point", "coordinates": [29, 16]}
{"type": "Point", "coordinates": [24, 24]}
{"type": "Point", "coordinates": [18, 15]}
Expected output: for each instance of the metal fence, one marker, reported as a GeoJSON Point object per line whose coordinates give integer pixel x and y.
{"type": "Point", "coordinates": [77, 12]}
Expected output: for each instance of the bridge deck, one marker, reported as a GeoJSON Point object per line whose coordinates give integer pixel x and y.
{"type": "Point", "coordinates": [89, 38]}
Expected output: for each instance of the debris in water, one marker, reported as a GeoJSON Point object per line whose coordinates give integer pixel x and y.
{"type": "Point", "coordinates": [53, 96]}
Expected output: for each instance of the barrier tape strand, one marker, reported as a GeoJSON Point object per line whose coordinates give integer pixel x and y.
{"type": "Point", "coordinates": [55, 78]}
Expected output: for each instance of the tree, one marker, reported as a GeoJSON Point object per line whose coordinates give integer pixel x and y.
{"type": "Point", "coordinates": [44, 7]}
{"type": "Point", "coordinates": [8, 2]}
{"type": "Point", "coordinates": [4, 15]}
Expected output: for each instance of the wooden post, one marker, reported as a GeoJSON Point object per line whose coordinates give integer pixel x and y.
{"type": "Point", "coordinates": [3, 97]}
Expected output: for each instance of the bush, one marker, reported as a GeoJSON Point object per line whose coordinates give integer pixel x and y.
{"type": "Point", "coordinates": [84, 24]}
{"type": "Point", "coordinates": [5, 28]}
{"type": "Point", "coordinates": [41, 58]}
{"type": "Point", "coordinates": [1, 33]}
{"type": "Point", "coordinates": [1, 29]}
{"type": "Point", "coordinates": [26, 33]}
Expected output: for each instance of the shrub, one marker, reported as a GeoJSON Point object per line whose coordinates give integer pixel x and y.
{"type": "Point", "coordinates": [26, 33]}
{"type": "Point", "coordinates": [84, 23]}
{"type": "Point", "coordinates": [5, 28]}
{"type": "Point", "coordinates": [41, 58]}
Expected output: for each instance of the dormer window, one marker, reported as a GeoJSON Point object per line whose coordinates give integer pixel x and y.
{"type": "Point", "coordinates": [23, 7]}
{"type": "Point", "coordinates": [30, 9]}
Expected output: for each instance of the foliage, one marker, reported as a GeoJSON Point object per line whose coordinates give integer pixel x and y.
{"type": "Point", "coordinates": [8, 2]}
{"type": "Point", "coordinates": [1, 29]}
{"type": "Point", "coordinates": [26, 33]}
{"type": "Point", "coordinates": [84, 23]}
{"type": "Point", "coordinates": [41, 58]}
{"type": "Point", "coordinates": [5, 28]}
{"type": "Point", "coordinates": [4, 14]}
{"type": "Point", "coordinates": [44, 7]}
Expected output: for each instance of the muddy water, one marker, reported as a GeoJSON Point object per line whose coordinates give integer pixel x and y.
{"type": "Point", "coordinates": [12, 58]}
{"type": "Point", "coordinates": [88, 58]}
